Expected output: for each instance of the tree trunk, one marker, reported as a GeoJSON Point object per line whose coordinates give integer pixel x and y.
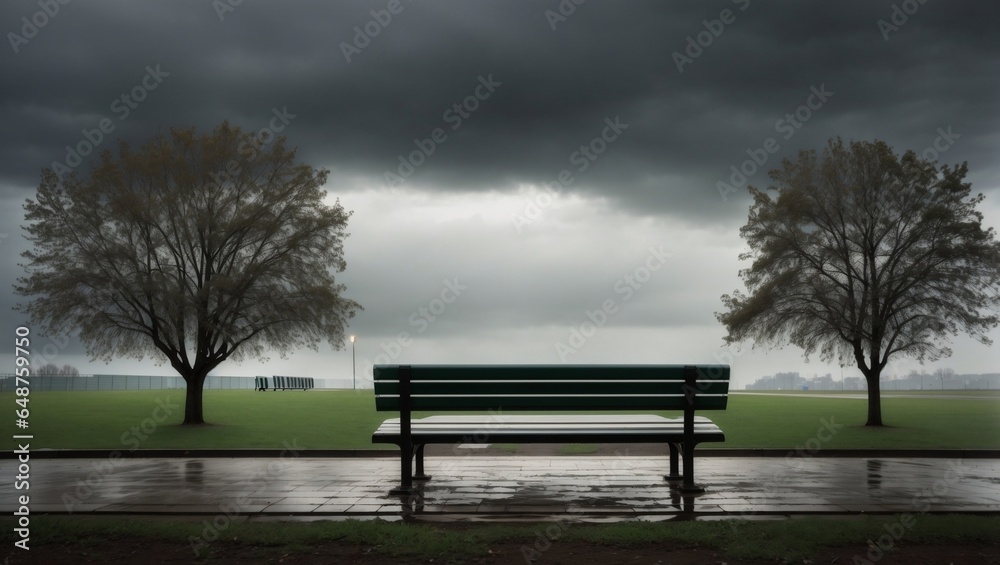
{"type": "Point", "coordinates": [874, 397]}
{"type": "Point", "coordinates": [193, 399]}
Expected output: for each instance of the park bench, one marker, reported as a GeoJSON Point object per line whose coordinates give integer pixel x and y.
{"type": "Point", "coordinates": [548, 388]}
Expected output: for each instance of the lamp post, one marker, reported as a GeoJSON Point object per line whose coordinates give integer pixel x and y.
{"type": "Point", "coordinates": [354, 371]}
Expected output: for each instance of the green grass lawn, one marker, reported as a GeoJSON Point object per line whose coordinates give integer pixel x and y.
{"type": "Point", "coordinates": [782, 541]}
{"type": "Point", "coordinates": [346, 419]}
{"type": "Point", "coordinates": [783, 421]}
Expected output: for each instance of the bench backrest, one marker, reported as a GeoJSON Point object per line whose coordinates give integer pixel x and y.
{"type": "Point", "coordinates": [551, 387]}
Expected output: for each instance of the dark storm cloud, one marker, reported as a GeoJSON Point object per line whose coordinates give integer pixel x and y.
{"type": "Point", "coordinates": [556, 87]}
{"type": "Point", "coordinates": [665, 120]}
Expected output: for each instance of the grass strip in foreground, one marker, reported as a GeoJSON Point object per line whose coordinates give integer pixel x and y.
{"type": "Point", "coordinates": [795, 539]}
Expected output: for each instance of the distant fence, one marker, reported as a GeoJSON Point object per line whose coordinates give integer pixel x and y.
{"type": "Point", "coordinates": [122, 382]}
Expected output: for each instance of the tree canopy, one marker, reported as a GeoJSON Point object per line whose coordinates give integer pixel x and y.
{"type": "Point", "coordinates": [193, 249]}
{"type": "Point", "coordinates": [861, 255]}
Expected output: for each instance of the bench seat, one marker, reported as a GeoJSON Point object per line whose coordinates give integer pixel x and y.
{"type": "Point", "coordinates": [598, 428]}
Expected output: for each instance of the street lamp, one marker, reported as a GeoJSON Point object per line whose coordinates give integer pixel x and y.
{"type": "Point", "coordinates": [354, 371]}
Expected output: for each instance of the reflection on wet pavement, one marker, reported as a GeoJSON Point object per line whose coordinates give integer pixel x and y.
{"type": "Point", "coordinates": [874, 473]}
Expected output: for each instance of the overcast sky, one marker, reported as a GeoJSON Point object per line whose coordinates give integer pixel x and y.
{"type": "Point", "coordinates": [531, 181]}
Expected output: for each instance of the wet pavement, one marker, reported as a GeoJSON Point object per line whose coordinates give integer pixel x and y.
{"type": "Point", "coordinates": [478, 488]}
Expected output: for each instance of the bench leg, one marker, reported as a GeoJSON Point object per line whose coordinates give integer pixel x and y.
{"type": "Point", "coordinates": [688, 485]}
{"type": "Point", "coordinates": [419, 475]}
{"type": "Point", "coordinates": [405, 471]}
{"type": "Point", "coordinates": [675, 474]}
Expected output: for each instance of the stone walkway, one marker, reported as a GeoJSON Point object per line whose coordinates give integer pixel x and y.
{"type": "Point", "coordinates": [503, 488]}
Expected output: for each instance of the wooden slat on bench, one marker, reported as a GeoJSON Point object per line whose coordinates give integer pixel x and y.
{"type": "Point", "coordinates": [527, 422]}
{"type": "Point", "coordinates": [545, 386]}
{"type": "Point", "coordinates": [553, 387]}
{"type": "Point", "coordinates": [542, 419]}
{"type": "Point", "coordinates": [553, 372]}
{"type": "Point", "coordinates": [554, 402]}
{"type": "Point", "coordinates": [547, 429]}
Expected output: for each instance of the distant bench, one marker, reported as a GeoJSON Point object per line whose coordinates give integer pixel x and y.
{"type": "Point", "coordinates": [549, 388]}
{"type": "Point", "coordinates": [285, 383]}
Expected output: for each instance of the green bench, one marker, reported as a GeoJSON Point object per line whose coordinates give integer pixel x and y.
{"type": "Point", "coordinates": [497, 389]}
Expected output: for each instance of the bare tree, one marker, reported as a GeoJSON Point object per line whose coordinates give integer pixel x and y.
{"type": "Point", "coordinates": [194, 249]}
{"type": "Point", "coordinates": [52, 370]}
{"type": "Point", "coordinates": [46, 370]}
{"type": "Point", "coordinates": [862, 255]}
